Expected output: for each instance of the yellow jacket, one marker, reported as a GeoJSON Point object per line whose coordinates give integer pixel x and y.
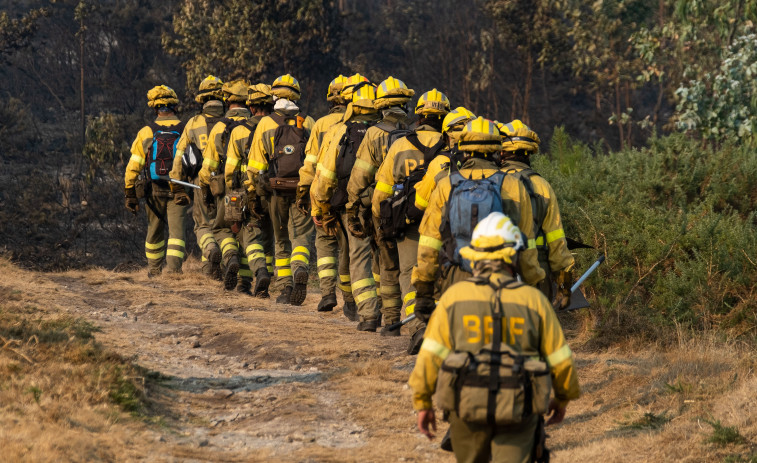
{"type": "Point", "coordinates": [438, 168]}
{"type": "Point", "coordinates": [321, 126]}
{"type": "Point", "coordinates": [370, 155]}
{"type": "Point", "coordinates": [196, 131]}
{"type": "Point", "coordinates": [401, 160]}
{"type": "Point", "coordinates": [326, 180]}
{"type": "Point", "coordinates": [515, 204]}
{"type": "Point", "coordinates": [262, 146]}
{"type": "Point", "coordinates": [212, 153]}
{"type": "Point", "coordinates": [240, 139]}
{"type": "Point", "coordinates": [550, 237]}
{"type": "Point", "coordinates": [459, 322]}
{"type": "Point", "coordinates": [141, 146]}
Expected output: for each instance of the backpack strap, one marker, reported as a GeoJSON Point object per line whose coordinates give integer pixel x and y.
{"type": "Point", "coordinates": [429, 152]}
{"type": "Point", "coordinates": [386, 126]}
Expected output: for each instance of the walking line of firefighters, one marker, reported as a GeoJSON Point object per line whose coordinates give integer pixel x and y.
{"type": "Point", "coordinates": [437, 218]}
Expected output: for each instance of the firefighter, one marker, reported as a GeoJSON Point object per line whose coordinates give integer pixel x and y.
{"type": "Point", "coordinates": [212, 180]}
{"type": "Point", "coordinates": [329, 195]}
{"type": "Point", "coordinates": [528, 325]}
{"type": "Point", "coordinates": [194, 139]}
{"type": "Point", "coordinates": [152, 156]}
{"type": "Point", "coordinates": [407, 155]}
{"type": "Point", "coordinates": [519, 143]}
{"type": "Point", "coordinates": [282, 149]}
{"type": "Point", "coordinates": [326, 246]}
{"type": "Point", "coordinates": [392, 97]}
{"type": "Point", "coordinates": [255, 237]}
{"type": "Point", "coordinates": [448, 160]}
{"type": "Point", "coordinates": [479, 140]}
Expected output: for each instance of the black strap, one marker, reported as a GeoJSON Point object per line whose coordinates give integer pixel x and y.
{"type": "Point", "coordinates": [496, 359]}
{"type": "Point", "coordinates": [148, 202]}
{"type": "Point", "coordinates": [429, 152]}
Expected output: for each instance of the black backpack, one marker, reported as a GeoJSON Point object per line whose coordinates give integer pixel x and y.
{"type": "Point", "coordinates": [346, 158]}
{"type": "Point", "coordinates": [398, 211]}
{"type": "Point", "coordinates": [191, 160]}
{"type": "Point", "coordinates": [289, 141]}
{"type": "Point", "coordinates": [162, 151]}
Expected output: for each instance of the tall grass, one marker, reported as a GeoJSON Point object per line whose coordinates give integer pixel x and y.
{"type": "Point", "coordinates": [677, 223]}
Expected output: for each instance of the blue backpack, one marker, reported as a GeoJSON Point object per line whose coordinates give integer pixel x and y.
{"type": "Point", "coordinates": [162, 151]}
{"type": "Point", "coordinates": [470, 201]}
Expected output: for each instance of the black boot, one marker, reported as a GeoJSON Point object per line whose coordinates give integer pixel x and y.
{"type": "Point", "coordinates": [244, 286]}
{"type": "Point", "coordinates": [368, 325]}
{"type": "Point", "coordinates": [214, 257]}
{"type": "Point", "coordinates": [350, 311]}
{"type": "Point", "coordinates": [300, 289]}
{"type": "Point", "coordinates": [230, 273]}
{"type": "Point", "coordinates": [262, 281]}
{"type": "Point", "coordinates": [415, 342]}
{"type": "Point", "coordinates": [328, 302]}
{"type": "Point", "coordinates": [284, 296]}
{"type": "Point", "coordinates": [386, 332]}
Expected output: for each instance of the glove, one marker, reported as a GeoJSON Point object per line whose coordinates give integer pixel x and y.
{"type": "Point", "coordinates": [563, 278]}
{"type": "Point", "coordinates": [329, 224]}
{"type": "Point", "coordinates": [208, 198]}
{"type": "Point", "coordinates": [354, 225]}
{"type": "Point", "coordinates": [424, 306]}
{"type": "Point", "coordinates": [132, 203]}
{"type": "Point", "coordinates": [370, 230]}
{"type": "Point", "coordinates": [318, 220]}
{"type": "Point", "coordinates": [254, 206]}
{"type": "Point", "coordinates": [303, 199]}
{"type": "Point", "coordinates": [180, 196]}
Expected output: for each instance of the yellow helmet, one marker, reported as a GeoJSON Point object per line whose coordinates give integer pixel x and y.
{"type": "Point", "coordinates": [235, 91]}
{"type": "Point", "coordinates": [363, 95]}
{"type": "Point", "coordinates": [349, 85]}
{"type": "Point", "coordinates": [162, 95]}
{"type": "Point", "coordinates": [456, 119]}
{"type": "Point", "coordinates": [259, 94]}
{"type": "Point", "coordinates": [210, 88]}
{"type": "Point", "coordinates": [432, 103]}
{"type": "Point", "coordinates": [480, 135]}
{"type": "Point", "coordinates": [392, 92]}
{"type": "Point", "coordinates": [286, 87]}
{"type": "Point", "coordinates": [496, 237]}
{"type": "Point", "coordinates": [517, 136]}
{"type": "Point", "coordinates": [335, 88]}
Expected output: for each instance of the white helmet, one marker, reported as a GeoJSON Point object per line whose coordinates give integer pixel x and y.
{"type": "Point", "coordinates": [496, 237]}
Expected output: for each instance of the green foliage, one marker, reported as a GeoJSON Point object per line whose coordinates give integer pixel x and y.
{"type": "Point", "coordinates": [677, 226]}
{"type": "Point", "coordinates": [15, 34]}
{"type": "Point", "coordinates": [105, 147]}
{"type": "Point", "coordinates": [35, 392]}
{"type": "Point", "coordinates": [741, 458]}
{"type": "Point", "coordinates": [724, 435]}
{"type": "Point", "coordinates": [723, 104]}
{"type": "Point", "coordinates": [257, 41]}
{"type": "Point", "coordinates": [16, 123]}
{"type": "Point", "coordinates": [124, 392]}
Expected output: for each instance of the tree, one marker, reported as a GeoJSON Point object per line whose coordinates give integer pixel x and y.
{"type": "Point", "coordinates": [15, 34]}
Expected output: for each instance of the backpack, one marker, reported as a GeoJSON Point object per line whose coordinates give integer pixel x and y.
{"type": "Point", "coordinates": [394, 132]}
{"type": "Point", "coordinates": [162, 150]}
{"type": "Point", "coordinates": [399, 211]}
{"type": "Point", "coordinates": [289, 142]}
{"type": "Point", "coordinates": [191, 160]}
{"type": "Point", "coordinates": [496, 386]}
{"type": "Point", "coordinates": [539, 215]}
{"type": "Point", "coordinates": [346, 158]}
{"type": "Point", "coordinates": [470, 201]}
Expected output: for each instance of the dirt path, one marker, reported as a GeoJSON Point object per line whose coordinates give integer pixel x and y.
{"type": "Point", "coordinates": [245, 379]}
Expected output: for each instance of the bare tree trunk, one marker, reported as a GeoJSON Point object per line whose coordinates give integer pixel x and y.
{"type": "Point", "coordinates": [81, 78]}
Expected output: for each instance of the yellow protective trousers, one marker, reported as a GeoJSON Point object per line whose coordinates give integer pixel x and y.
{"type": "Point", "coordinates": [293, 233]}
{"type": "Point", "coordinates": [362, 276]}
{"type": "Point", "coordinates": [157, 250]}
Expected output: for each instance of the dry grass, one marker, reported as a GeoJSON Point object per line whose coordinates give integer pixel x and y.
{"type": "Point", "coordinates": [249, 380]}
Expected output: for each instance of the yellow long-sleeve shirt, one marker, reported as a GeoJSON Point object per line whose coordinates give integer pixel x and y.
{"type": "Point", "coordinates": [196, 131]}
{"type": "Point", "coordinates": [236, 154]}
{"type": "Point", "coordinates": [515, 204]}
{"type": "Point", "coordinates": [401, 160]}
{"type": "Point", "coordinates": [438, 168]}
{"type": "Point", "coordinates": [211, 161]}
{"type": "Point", "coordinates": [326, 180]}
{"type": "Point", "coordinates": [321, 126]}
{"type": "Point", "coordinates": [550, 236]}
{"type": "Point", "coordinates": [459, 323]}
{"type": "Point", "coordinates": [370, 155]}
{"type": "Point", "coordinates": [261, 149]}
{"type": "Point", "coordinates": [141, 146]}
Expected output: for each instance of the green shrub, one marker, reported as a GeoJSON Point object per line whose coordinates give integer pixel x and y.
{"type": "Point", "coordinates": [677, 224]}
